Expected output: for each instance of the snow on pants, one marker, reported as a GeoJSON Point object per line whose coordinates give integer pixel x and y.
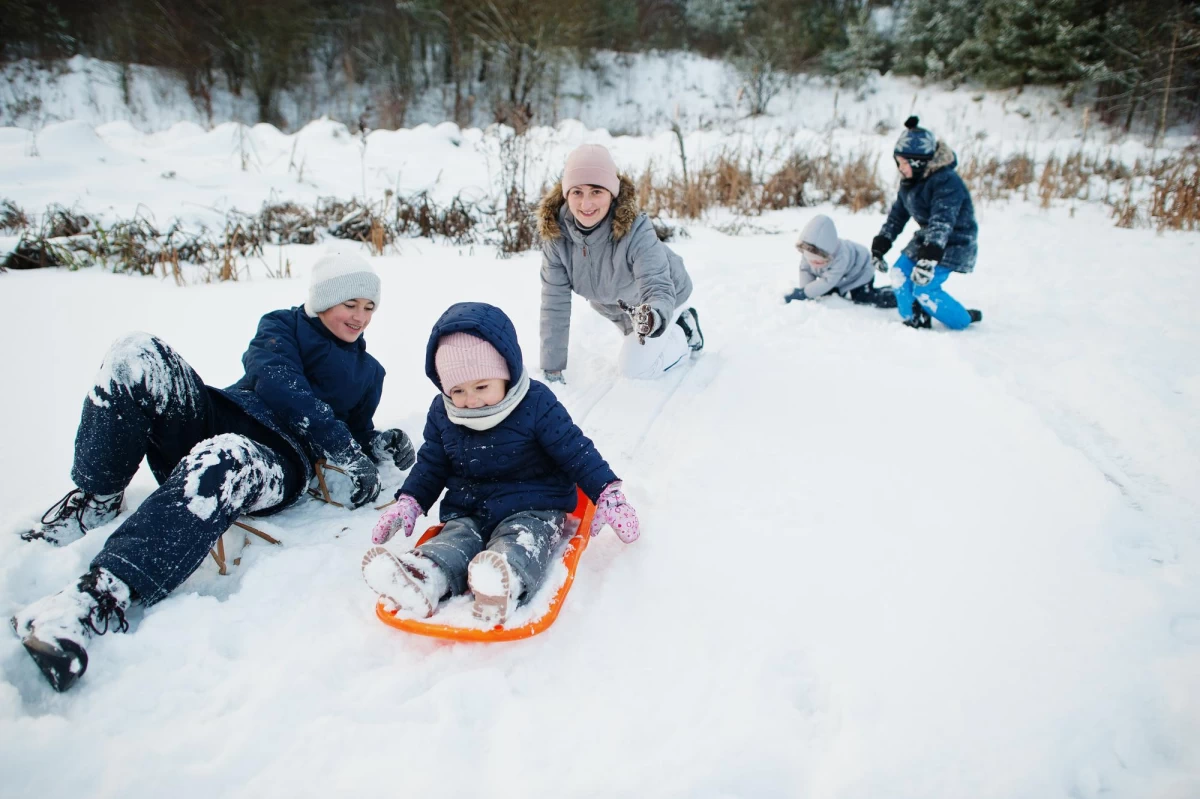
{"type": "Point", "coordinates": [654, 358]}
{"type": "Point", "coordinates": [933, 298]}
{"type": "Point", "coordinates": [213, 462]}
{"type": "Point", "coordinates": [526, 539]}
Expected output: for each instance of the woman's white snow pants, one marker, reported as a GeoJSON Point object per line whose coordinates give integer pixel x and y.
{"type": "Point", "coordinates": [658, 355]}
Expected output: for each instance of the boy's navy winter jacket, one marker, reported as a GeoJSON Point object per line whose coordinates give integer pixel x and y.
{"type": "Point", "coordinates": [532, 460]}
{"type": "Point", "coordinates": [317, 391]}
{"type": "Point", "coordinates": [941, 204]}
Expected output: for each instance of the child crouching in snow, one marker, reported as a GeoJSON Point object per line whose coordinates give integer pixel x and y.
{"type": "Point", "coordinates": [509, 457]}
{"type": "Point", "coordinates": [828, 263]}
{"type": "Point", "coordinates": [932, 193]}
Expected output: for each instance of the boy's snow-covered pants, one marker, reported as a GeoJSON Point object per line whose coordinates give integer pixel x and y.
{"type": "Point", "coordinates": [933, 298]}
{"type": "Point", "coordinates": [526, 539]}
{"type": "Point", "coordinates": [212, 460]}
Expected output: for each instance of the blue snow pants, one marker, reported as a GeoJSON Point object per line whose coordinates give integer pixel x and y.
{"type": "Point", "coordinates": [526, 539]}
{"type": "Point", "coordinates": [213, 462]}
{"type": "Point", "coordinates": [933, 298]}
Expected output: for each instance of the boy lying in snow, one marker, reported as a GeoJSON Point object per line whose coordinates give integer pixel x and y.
{"type": "Point", "coordinates": [309, 393]}
{"type": "Point", "coordinates": [509, 457]}
{"type": "Point", "coordinates": [828, 263]}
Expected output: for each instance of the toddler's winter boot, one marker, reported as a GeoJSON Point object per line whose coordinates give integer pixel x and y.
{"type": "Point", "coordinates": [411, 582]}
{"type": "Point", "coordinates": [976, 315]}
{"type": "Point", "coordinates": [495, 586]}
{"type": "Point", "coordinates": [54, 629]}
{"type": "Point", "coordinates": [73, 515]}
{"type": "Point", "coordinates": [689, 320]}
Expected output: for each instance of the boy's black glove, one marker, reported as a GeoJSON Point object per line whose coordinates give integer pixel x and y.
{"type": "Point", "coordinates": [365, 478]}
{"type": "Point", "coordinates": [930, 252]}
{"type": "Point", "coordinates": [796, 294]}
{"type": "Point", "coordinates": [880, 245]}
{"type": "Point", "coordinates": [393, 445]}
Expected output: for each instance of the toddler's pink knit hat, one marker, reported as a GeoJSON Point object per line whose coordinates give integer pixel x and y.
{"type": "Point", "coordinates": [591, 165]}
{"type": "Point", "coordinates": [461, 358]}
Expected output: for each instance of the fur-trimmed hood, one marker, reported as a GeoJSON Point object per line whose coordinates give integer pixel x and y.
{"type": "Point", "coordinates": [623, 215]}
{"type": "Point", "coordinates": [943, 157]}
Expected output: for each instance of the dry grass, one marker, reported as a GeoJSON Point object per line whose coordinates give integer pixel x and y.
{"type": "Point", "coordinates": [1164, 194]}
{"type": "Point", "coordinates": [1175, 198]}
{"type": "Point", "coordinates": [742, 183]}
{"type": "Point", "coordinates": [12, 218]}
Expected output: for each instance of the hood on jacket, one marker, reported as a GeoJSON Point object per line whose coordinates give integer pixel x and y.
{"type": "Point", "coordinates": [479, 319]}
{"type": "Point", "coordinates": [943, 157]}
{"type": "Point", "coordinates": [821, 232]}
{"type": "Point", "coordinates": [624, 213]}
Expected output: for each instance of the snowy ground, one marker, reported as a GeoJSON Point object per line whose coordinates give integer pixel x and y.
{"type": "Point", "coordinates": [874, 563]}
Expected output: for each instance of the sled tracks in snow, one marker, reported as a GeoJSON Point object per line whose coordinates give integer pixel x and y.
{"type": "Point", "coordinates": [622, 415]}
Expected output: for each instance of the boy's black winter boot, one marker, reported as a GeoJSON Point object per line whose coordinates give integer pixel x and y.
{"type": "Point", "coordinates": [920, 317]}
{"type": "Point", "coordinates": [976, 315]}
{"type": "Point", "coordinates": [54, 629]}
{"type": "Point", "coordinates": [73, 515]}
{"type": "Point", "coordinates": [689, 320]}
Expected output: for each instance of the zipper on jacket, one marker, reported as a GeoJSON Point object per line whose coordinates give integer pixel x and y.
{"type": "Point", "coordinates": [585, 251]}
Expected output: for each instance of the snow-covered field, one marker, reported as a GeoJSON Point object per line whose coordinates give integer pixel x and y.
{"type": "Point", "coordinates": [875, 562]}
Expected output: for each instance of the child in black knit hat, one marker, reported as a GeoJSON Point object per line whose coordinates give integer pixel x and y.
{"type": "Point", "coordinates": [932, 193]}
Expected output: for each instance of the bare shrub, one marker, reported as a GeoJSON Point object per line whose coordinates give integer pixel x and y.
{"type": "Point", "coordinates": [288, 223]}
{"type": "Point", "coordinates": [12, 218]}
{"type": "Point", "coordinates": [1175, 199]}
{"type": "Point", "coordinates": [854, 183]}
{"type": "Point", "coordinates": [37, 252]}
{"type": "Point", "coordinates": [740, 182]}
{"type": "Point", "coordinates": [60, 221]}
{"type": "Point", "coordinates": [786, 187]}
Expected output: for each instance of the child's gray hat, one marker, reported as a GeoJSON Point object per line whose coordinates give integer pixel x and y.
{"type": "Point", "coordinates": [338, 277]}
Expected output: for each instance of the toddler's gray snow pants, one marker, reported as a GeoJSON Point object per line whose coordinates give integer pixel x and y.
{"type": "Point", "coordinates": [526, 539]}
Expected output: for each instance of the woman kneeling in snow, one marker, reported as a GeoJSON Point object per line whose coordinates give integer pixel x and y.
{"type": "Point", "coordinates": [509, 456]}
{"type": "Point", "coordinates": [597, 244]}
{"type": "Point", "coordinates": [932, 193]}
{"type": "Point", "coordinates": [309, 393]}
{"type": "Point", "coordinates": [828, 263]}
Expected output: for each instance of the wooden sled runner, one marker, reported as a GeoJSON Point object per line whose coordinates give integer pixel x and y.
{"type": "Point", "coordinates": [584, 511]}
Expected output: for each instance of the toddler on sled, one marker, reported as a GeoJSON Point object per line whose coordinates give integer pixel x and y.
{"type": "Point", "coordinates": [509, 458]}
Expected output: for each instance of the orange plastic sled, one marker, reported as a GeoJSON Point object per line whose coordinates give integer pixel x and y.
{"type": "Point", "coordinates": [584, 511]}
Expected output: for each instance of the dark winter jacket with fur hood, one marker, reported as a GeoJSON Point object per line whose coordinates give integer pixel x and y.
{"type": "Point", "coordinates": [941, 204]}
{"type": "Point", "coordinates": [619, 259]}
{"type": "Point", "coordinates": [317, 392]}
{"type": "Point", "coordinates": [531, 460]}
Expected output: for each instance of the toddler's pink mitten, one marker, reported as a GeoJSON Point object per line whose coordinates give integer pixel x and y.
{"type": "Point", "coordinates": [613, 510]}
{"type": "Point", "coordinates": [401, 515]}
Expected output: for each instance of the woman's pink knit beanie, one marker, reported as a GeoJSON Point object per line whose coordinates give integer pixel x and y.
{"type": "Point", "coordinates": [591, 165]}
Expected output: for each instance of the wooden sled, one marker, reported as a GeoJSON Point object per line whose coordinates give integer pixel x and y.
{"type": "Point", "coordinates": [584, 511]}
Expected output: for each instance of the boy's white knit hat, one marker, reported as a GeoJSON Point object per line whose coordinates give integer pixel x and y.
{"type": "Point", "coordinates": [340, 276]}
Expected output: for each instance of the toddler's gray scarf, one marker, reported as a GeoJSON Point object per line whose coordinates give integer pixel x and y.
{"type": "Point", "coordinates": [488, 417]}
